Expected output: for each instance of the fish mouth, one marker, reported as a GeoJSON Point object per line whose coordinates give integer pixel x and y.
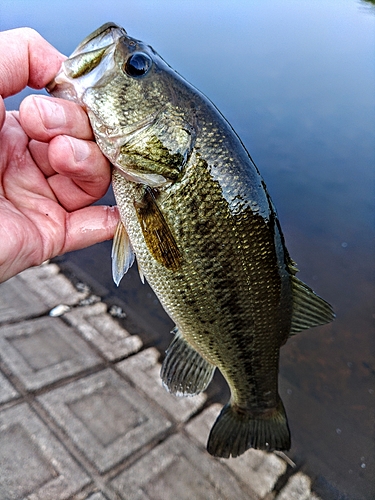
{"type": "Point", "coordinates": [102, 37]}
{"type": "Point", "coordinates": [87, 57]}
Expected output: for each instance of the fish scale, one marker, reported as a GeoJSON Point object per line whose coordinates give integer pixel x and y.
{"type": "Point", "coordinates": [196, 214]}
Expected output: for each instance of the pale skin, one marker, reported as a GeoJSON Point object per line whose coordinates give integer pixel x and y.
{"type": "Point", "coordinates": [51, 170]}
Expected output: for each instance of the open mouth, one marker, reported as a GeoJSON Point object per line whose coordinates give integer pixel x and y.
{"type": "Point", "coordinates": [101, 38]}
{"type": "Point", "coordinates": [85, 60]}
{"type": "Point", "coordinates": [87, 64]}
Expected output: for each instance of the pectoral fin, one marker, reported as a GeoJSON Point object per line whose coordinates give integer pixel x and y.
{"type": "Point", "coordinates": [308, 308]}
{"type": "Point", "coordinates": [157, 234]}
{"type": "Point", "coordinates": [184, 372]}
{"type": "Point", "coordinates": [122, 253]}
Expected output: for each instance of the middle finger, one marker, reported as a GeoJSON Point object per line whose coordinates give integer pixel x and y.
{"type": "Point", "coordinates": [39, 153]}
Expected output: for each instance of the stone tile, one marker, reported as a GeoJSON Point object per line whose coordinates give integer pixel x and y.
{"type": "Point", "coordinates": [200, 426]}
{"type": "Point", "coordinates": [44, 350]}
{"type": "Point", "coordinates": [105, 417]}
{"type": "Point", "coordinates": [297, 488]}
{"type": "Point", "coordinates": [17, 303]}
{"type": "Point", "coordinates": [51, 286]}
{"type": "Point", "coordinates": [255, 468]}
{"type": "Point", "coordinates": [7, 391]}
{"type": "Point", "coordinates": [103, 331]}
{"type": "Point", "coordinates": [144, 371]}
{"type": "Point", "coordinates": [34, 292]}
{"type": "Point", "coordinates": [33, 463]}
{"type": "Point", "coordinates": [177, 469]}
{"type": "Point", "coordinates": [259, 470]}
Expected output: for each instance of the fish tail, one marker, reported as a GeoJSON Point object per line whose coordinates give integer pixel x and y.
{"type": "Point", "coordinates": [236, 430]}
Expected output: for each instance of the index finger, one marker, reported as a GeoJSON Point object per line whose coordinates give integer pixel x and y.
{"type": "Point", "coordinates": [44, 118]}
{"type": "Point", "coordinates": [27, 59]}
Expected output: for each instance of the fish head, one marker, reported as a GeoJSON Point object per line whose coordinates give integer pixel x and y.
{"type": "Point", "coordinates": [109, 60]}
{"type": "Point", "coordinates": [131, 96]}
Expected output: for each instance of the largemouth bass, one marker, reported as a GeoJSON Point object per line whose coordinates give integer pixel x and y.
{"type": "Point", "coordinates": [197, 215]}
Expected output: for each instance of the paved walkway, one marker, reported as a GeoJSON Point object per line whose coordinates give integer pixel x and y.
{"type": "Point", "coordinates": [83, 414]}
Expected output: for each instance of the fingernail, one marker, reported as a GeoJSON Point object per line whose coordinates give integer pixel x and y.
{"type": "Point", "coordinates": [81, 149]}
{"type": "Point", "coordinates": [53, 115]}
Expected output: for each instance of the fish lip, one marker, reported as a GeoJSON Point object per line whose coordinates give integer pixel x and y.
{"type": "Point", "coordinates": [104, 37]}
{"type": "Point", "coordinates": [51, 86]}
{"type": "Point", "coordinates": [61, 86]}
{"type": "Point", "coordinates": [99, 38]}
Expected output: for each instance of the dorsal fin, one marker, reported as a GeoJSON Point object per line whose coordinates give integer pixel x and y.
{"type": "Point", "coordinates": [308, 308]}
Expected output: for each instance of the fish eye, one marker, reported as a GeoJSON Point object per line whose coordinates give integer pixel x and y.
{"type": "Point", "coordinates": [138, 64]}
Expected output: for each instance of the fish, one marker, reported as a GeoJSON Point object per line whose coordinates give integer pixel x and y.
{"type": "Point", "coordinates": [196, 215]}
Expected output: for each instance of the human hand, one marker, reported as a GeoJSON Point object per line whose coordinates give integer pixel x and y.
{"type": "Point", "coordinates": [50, 167]}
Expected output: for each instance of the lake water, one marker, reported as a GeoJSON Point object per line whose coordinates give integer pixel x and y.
{"type": "Point", "coordinates": [296, 81]}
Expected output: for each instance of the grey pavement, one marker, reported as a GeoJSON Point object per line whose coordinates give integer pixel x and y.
{"type": "Point", "coordinates": [83, 414]}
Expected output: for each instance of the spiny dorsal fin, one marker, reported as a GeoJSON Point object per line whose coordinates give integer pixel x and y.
{"type": "Point", "coordinates": [184, 372]}
{"type": "Point", "coordinates": [122, 253]}
{"type": "Point", "coordinates": [308, 308]}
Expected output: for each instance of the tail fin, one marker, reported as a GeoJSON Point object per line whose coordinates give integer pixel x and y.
{"type": "Point", "coordinates": [236, 431]}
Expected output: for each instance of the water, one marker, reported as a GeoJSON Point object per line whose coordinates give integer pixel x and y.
{"type": "Point", "coordinates": [296, 80]}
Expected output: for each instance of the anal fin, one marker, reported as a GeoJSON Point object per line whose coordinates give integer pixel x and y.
{"type": "Point", "coordinates": [308, 308]}
{"type": "Point", "coordinates": [184, 372]}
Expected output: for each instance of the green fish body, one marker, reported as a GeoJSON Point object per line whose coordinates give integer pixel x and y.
{"type": "Point", "coordinates": [197, 215]}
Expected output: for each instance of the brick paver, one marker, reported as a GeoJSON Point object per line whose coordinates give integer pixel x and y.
{"type": "Point", "coordinates": [33, 462]}
{"type": "Point", "coordinates": [50, 286]}
{"type": "Point", "coordinates": [143, 370]}
{"type": "Point", "coordinates": [17, 303]}
{"type": "Point", "coordinates": [99, 328]}
{"type": "Point", "coordinates": [176, 469]}
{"type": "Point", "coordinates": [84, 416]}
{"type": "Point", "coordinates": [257, 469]}
{"type": "Point", "coordinates": [43, 350]}
{"type": "Point", "coordinates": [105, 417]}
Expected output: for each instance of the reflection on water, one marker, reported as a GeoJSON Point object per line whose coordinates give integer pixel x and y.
{"type": "Point", "coordinates": [295, 79]}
